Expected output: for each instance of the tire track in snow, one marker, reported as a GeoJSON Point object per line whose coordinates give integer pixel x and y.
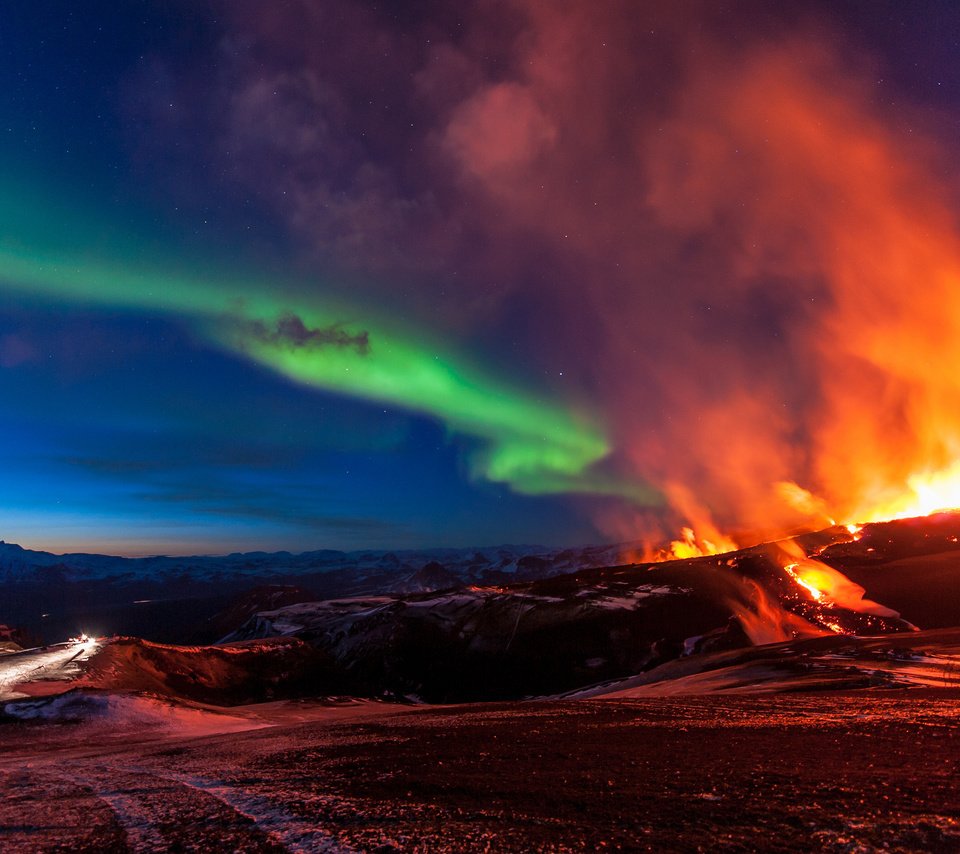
{"type": "Point", "coordinates": [153, 814]}
{"type": "Point", "coordinates": [142, 835]}
{"type": "Point", "coordinates": [295, 834]}
{"type": "Point", "coordinates": [41, 810]}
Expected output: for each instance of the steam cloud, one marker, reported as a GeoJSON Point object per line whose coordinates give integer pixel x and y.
{"type": "Point", "coordinates": [732, 248]}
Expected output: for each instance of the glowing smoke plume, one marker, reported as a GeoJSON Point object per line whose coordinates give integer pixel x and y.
{"type": "Point", "coordinates": [782, 151]}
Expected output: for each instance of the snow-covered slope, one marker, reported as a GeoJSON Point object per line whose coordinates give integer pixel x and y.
{"type": "Point", "coordinates": [120, 714]}
{"type": "Point", "coordinates": [929, 659]}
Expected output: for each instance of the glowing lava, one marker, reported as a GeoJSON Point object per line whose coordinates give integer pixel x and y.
{"type": "Point", "coordinates": [922, 494]}
{"type": "Point", "coordinates": [828, 587]}
{"type": "Point", "coordinates": [794, 571]}
{"type": "Point", "coordinates": [700, 536]}
{"type": "Point", "coordinates": [691, 545]}
{"type": "Point", "coordinates": [765, 620]}
{"type": "Point", "coordinates": [925, 493]}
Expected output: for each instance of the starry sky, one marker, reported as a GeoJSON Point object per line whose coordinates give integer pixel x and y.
{"type": "Point", "coordinates": [343, 274]}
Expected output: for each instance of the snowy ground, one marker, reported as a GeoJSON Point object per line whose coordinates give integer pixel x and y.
{"type": "Point", "coordinates": [56, 663]}
{"type": "Point", "coordinates": [833, 772]}
{"type": "Point", "coordinates": [928, 659]}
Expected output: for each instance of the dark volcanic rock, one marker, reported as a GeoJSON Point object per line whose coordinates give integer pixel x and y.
{"type": "Point", "coordinates": [786, 773]}
{"type": "Point", "coordinates": [266, 597]}
{"type": "Point", "coordinates": [567, 631]}
{"type": "Point", "coordinates": [910, 565]}
{"type": "Point", "coordinates": [433, 576]}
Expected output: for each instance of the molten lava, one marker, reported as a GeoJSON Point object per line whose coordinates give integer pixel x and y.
{"type": "Point", "coordinates": [828, 588]}
{"type": "Point", "coordinates": [800, 576]}
{"type": "Point", "coordinates": [925, 493]}
{"type": "Point", "coordinates": [699, 537]}
{"type": "Point", "coordinates": [690, 544]}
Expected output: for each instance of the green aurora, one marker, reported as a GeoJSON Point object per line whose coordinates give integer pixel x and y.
{"type": "Point", "coordinates": [533, 445]}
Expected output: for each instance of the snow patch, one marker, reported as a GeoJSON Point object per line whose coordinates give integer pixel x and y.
{"type": "Point", "coordinates": [633, 598]}
{"type": "Point", "coordinates": [293, 833]}
{"type": "Point", "coordinates": [126, 712]}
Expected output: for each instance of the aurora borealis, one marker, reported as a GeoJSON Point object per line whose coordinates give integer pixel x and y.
{"type": "Point", "coordinates": [60, 255]}
{"type": "Point", "coordinates": [323, 274]}
{"type": "Point", "coordinates": [531, 445]}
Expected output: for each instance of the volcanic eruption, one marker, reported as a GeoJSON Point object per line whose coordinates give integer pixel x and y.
{"type": "Point", "coordinates": [492, 425]}
{"type": "Point", "coordinates": [814, 257]}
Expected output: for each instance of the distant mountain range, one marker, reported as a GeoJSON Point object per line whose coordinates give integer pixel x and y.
{"type": "Point", "coordinates": [172, 599]}
{"type": "Point", "coordinates": [472, 565]}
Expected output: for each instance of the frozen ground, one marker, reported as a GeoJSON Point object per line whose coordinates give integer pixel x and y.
{"type": "Point", "coordinates": [56, 663]}
{"type": "Point", "coordinates": [835, 772]}
{"type": "Point", "coordinates": [929, 659]}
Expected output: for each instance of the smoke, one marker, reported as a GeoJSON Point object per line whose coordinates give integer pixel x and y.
{"type": "Point", "coordinates": [783, 153]}
{"type": "Point", "coordinates": [765, 620]}
{"type": "Point", "coordinates": [290, 330]}
{"type": "Point", "coordinates": [706, 223]}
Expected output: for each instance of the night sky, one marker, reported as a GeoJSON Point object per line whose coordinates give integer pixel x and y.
{"type": "Point", "coordinates": [297, 275]}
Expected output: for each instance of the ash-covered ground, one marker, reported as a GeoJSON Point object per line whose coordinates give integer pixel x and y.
{"type": "Point", "coordinates": [832, 772]}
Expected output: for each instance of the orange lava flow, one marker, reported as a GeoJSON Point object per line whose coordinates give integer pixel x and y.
{"type": "Point", "coordinates": [794, 571]}
{"type": "Point", "coordinates": [827, 586]}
